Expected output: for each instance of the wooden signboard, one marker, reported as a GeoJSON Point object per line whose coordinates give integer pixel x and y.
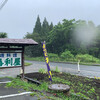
{"type": "Point", "coordinates": [10, 59]}
{"type": "Point", "coordinates": [12, 52]}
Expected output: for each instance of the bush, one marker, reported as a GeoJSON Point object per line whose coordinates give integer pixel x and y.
{"type": "Point", "coordinates": [86, 58]}
{"type": "Point", "coordinates": [52, 55]}
{"type": "Point", "coordinates": [57, 70]}
{"type": "Point", "coordinates": [42, 70]}
{"type": "Point", "coordinates": [67, 54]}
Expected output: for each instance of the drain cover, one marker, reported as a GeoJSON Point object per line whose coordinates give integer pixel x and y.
{"type": "Point", "coordinates": [59, 87]}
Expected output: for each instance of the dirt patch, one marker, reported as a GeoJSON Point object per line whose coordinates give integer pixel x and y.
{"type": "Point", "coordinates": [88, 86]}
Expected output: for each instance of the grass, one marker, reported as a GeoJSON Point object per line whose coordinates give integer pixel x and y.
{"type": "Point", "coordinates": [58, 59]}
{"type": "Point", "coordinates": [82, 88]}
{"type": "Point", "coordinates": [18, 83]}
{"type": "Point", "coordinates": [27, 64]}
{"type": "Point", "coordinates": [6, 77]}
{"type": "Point", "coordinates": [34, 58]}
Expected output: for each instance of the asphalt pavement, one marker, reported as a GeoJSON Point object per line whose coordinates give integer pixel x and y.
{"type": "Point", "coordinates": [87, 71]}
{"type": "Point", "coordinates": [14, 94]}
{"type": "Point", "coordinates": [10, 93]}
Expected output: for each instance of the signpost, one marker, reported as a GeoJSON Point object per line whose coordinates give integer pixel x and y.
{"type": "Point", "coordinates": [47, 60]}
{"type": "Point", "coordinates": [12, 52]}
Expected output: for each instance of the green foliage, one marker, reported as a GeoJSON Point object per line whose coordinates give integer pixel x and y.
{"type": "Point", "coordinates": [27, 64]}
{"type": "Point", "coordinates": [57, 79]}
{"type": "Point", "coordinates": [3, 35]}
{"type": "Point", "coordinates": [63, 36]}
{"type": "Point", "coordinates": [52, 55]}
{"type": "Point", "coordinates": [40, 33]}
{"type": "Point", "coordinates": [67, 54]}
{"type": "Point", "coordinates": [87, 58]}
{"type": "Point", "coordinates": [45, 27]}
{"type": "Point", "coordinates": [92, 90]}
{"type": "Point", "coordinates": [42, 70]}
{"type": "Point", "coordinates": [83, 96]}
{"type": "Point", "coordinates": [37, 28]}
{"type": "Point", "coordinates": [57, 70]}
{"type": "Point", "coordinates": [34, 58]}
{"type": "Point", "coordinates": [33, 93]}
{"type": "Point", "coordinates": [81, 88]}
{"type": "Point", "coordinates": [86, 61]}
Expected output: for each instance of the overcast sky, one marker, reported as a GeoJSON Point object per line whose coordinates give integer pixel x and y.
{"type": "Point", "coordinates": [18, 17]}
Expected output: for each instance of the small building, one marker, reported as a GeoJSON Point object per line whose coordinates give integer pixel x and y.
{"type": "Point", "coordinates": [12, 52]}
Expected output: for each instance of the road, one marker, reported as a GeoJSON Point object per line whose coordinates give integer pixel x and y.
{"type": "Point", "coordinates": [88, 71]}
{"type": "Point", "coordinates": [12, 94]}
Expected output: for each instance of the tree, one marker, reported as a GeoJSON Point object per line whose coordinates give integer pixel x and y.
{"type": "Point", "coordinates": [37, 28]}
{"type": "Point", "coordinates": [60, 37]}
{"type": "Point", "coordinates": [3, 35]}
{"type": "Point", "coordinates": [39, 34]}
{"type": "Point", "coordinates": [51, 26]}
{"type": "Point", "coordinates": [45, 27]}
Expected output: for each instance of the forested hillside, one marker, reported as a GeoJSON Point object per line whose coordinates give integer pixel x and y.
{"type": "Point", "coordinates": [76, 36]}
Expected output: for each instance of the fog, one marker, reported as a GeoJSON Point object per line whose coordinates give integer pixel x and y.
{"type": "Point", "coordinates": [85, 34]}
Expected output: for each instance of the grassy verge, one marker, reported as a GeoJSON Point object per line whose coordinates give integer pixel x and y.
{"type": "Point", "coordinates": [27, 64]}
{"type": "Point", "coordinates": [82, 88]}
{"type": "Point", "coordinates": [61, 60]}
{"type": "Point", "coordinates": [40, 90]}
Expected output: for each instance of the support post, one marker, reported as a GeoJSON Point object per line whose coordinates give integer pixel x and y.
{"type": "Point", "coordinates": [23, 69]}
{"type": "Point", "coordinates": [78, 66]}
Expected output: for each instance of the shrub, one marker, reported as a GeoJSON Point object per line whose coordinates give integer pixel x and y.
{"type": "Point", "coordinates": [52, 55]}
{"type": "Point", "coordinates": [67, 54]}
{"type": "Point", "coordinates": [57, 70]}
{"type": "Point", "coordinates": [42, 70]}
{"type": "Point", "coordinates": [86, 58]}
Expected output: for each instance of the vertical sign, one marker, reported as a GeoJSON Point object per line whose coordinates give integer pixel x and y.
{"type": "Point", "coordinates": [47, 60]}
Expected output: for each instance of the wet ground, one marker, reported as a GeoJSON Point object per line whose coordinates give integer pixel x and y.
{"type": "Point", "coordinates": [14, 93]}
{"type": "Point", "coordinates": [88, 71]}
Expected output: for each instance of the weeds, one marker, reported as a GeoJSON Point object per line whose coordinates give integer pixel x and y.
{"type": "Point", "coordinates": [42, 70]}
{"type": "Point", "coordinates": [80, 87]}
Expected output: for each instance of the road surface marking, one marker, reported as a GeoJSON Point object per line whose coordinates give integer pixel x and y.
{"type": "Point", "coordinates": [2, 73]}
{"type": "Point", "coordinates": [12, 95]}
{"type": "Point", "coordinates": [5, 82]}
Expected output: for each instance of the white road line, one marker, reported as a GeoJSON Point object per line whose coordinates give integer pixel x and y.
{"type": "Point", "coordinates": [12, 95]}
{"type": "Point", "coordinates": [2, 73]}
{"type": "Point", "coordinates": [5, 82]}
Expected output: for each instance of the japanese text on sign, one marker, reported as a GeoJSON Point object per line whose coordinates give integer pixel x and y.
{"type": "Point", "coordinates": [10, 59]}
{"type": "Point", "coordinates": [47, 60]}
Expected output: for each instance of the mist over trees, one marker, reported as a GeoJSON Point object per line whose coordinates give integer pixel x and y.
{"type": "Point", "coordinates": [78, 37]}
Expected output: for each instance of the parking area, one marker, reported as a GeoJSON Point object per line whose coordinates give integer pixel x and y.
{"type": "Point", "coordinates": [13, 93]}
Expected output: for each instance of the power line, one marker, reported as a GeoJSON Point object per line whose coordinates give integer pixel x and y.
{"type": "Point", "coordinates": [3, 3]}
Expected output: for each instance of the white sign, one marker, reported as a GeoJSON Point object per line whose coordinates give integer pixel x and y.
{"type": "Point", "coordinates": [10, 59]}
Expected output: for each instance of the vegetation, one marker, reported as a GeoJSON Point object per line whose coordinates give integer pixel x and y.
{"type": "Point", "coordinates": [66, 40]}
{"type": "Point", "coordinates": [82, 88]}
{"type": "Point", "coordinates": [66, 56]}
{"type": "Point", "coordinates": [3, 35]}
{"type": "Point", "coordinates": [42, 70]}
{"type": "Point", "coordinates": [27, 64]}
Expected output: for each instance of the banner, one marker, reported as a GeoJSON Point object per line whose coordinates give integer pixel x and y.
{"type": "Point", "coordinates": [47, 60]}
